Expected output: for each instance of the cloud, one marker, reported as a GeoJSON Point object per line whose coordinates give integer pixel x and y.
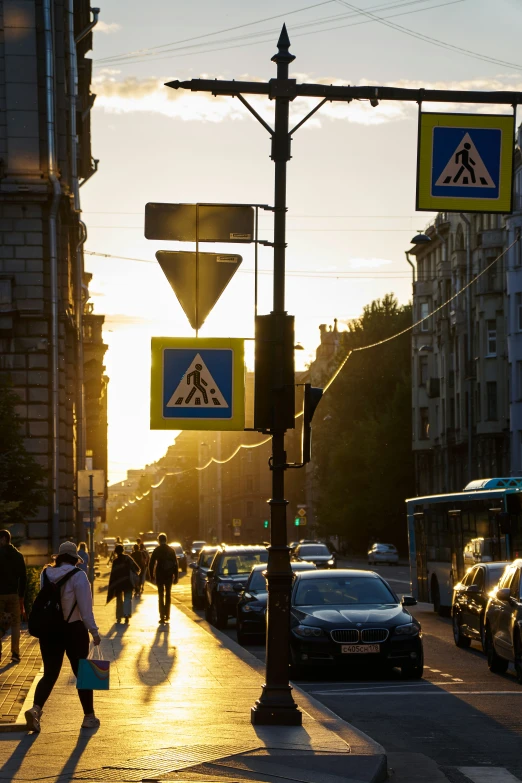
{"type": "Point", "coordinates": [107, 27]}
{"type": "Point", "coordinates": [150, 95]}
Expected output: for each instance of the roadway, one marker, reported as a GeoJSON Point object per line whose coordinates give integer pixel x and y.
{"type": "Point", "coordinates": [461, 722]}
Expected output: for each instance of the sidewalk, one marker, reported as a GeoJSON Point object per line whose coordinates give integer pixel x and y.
{"type": "Point", "coordinates": [179, 709]}
{"type": "Point", "coordinates": [16, 678]}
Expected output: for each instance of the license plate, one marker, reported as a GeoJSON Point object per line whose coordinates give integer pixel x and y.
{"type": "Point", "coordinates": [360, 648]}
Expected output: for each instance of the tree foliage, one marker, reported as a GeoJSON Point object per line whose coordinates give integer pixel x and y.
{"type": "Point", "coordinates": [21, 477]}
{"type": "Point", "coordinates": [362, 437]}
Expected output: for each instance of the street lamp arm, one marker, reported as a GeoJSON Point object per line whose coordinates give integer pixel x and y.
{"type": "Point", "coordinates": [310, 114]}
{"type": "Point", "coordinates": [256, 115]}
{"type": "Point", "coordinates": [348, 93]}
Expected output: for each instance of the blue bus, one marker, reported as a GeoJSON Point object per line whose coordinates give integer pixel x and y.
{"type": "Point", "coordinates": [449, 533]}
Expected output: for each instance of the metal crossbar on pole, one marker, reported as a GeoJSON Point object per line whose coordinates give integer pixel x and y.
{"type": "Point", "coordinates": [276, 705]}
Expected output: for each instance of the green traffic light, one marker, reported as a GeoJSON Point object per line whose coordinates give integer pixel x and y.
{"type": "Point", "coordinates": [297, 521]}
{"type": "Point", "coordinates": [265, 523]}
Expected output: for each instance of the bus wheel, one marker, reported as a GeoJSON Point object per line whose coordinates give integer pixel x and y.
{"type": "Point", "coordinates": [435, 595]}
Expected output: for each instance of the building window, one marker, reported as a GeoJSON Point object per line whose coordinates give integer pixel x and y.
{"type": "Point", "coordinates": [424, 432]}
{"type": "Point", "coordinates": [423, 370]}
{"type": "Point", "coordinates": [249, 456]}
{"type": "Point", "coordinates": [452, 413]}
{"type": "Point", "coordinates": [491, 338]}
{"type": "Point", "coordinates": [423, 313]}
{"type": "Point", "coordinates": [519, 312]}
{"type": "Point", "coordinates": [249, 483]}
{"type": "Point", "coordinates": [491, 393]}
{"type": "Point", "coordinates": [6, 293]}
{"type": "Point", "coordinates": [250, 508]}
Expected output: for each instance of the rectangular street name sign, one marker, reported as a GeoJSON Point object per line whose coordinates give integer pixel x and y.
{"type": "Point", "coordinates": [197, 384]}
{"type": "Point", "coordinates": [203, 223]}
{"type": "Point", "coordinates": [465, 162]}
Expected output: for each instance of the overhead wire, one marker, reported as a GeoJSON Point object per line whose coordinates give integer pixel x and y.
{"type": "Point", "coordinates": [341, 366]}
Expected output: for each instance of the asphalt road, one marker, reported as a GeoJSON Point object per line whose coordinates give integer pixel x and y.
{"type": "Point", "coordinates": [465, 722]}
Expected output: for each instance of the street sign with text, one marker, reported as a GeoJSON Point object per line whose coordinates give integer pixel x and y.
{"type": "Point", "coordinates": [199, 222]}
{"type": "Point", "coordinates": [197, 384]}
{"type": "Point", "coordinates": [465, 162]}
{"type": "Point", "coordinates": [198, 280]}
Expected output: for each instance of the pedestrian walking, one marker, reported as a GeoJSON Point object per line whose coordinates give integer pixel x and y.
{"type": "Point", "coordinates": [70, 637]}
{"type": "Point", "coordinates": [138, 557]}
{"type": "Point", "coordinates": [13, 579]}
{"type": "Point", "coordinates": [121, 583]}
{"type": "Point", "coordinates": [146, 561]}
{"type": "Point", "coordinates": [84, 556]}
{"type": "Point", "coordinates": [163, 569]}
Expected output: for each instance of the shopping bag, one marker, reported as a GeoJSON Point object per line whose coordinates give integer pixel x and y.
{"type": "Point", "coordinates": [93, 675]}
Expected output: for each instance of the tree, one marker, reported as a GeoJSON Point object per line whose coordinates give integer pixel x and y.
{"type": "Point", "coordinates": [362, 436]}
{"type": "Point", "coordinates": [21, 477]}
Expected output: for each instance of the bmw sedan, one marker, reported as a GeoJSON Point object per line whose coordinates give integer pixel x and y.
{"type": "Point", "coordinates": [251, 609]}
{"type": "Point", "coordinates": [317, 553]}
{"type": "Point", "coordinates": [349, 617]}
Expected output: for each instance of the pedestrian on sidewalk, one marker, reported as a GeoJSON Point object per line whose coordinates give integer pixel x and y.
{"type": "Point", "coordinates": [146, 561]}
{"type": "Point", "coordinates": [138, 557]}
{"type": "Point", "coordinates": [120, 583]}
{"type": "Point", "coordinates": [73, 637]}
{"type": "Point", "coordinates": [163, 569]}
{"type": "Point", "coordinates": [13, 578]}
{"type": "Point", "coordinates": [84, 557]}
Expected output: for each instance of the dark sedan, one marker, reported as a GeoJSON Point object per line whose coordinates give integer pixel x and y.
{"type": "Point", "coordinates": [251, 609]}
{"type": "Point", "coordinates": [470, 597]}
{"type": "Point", "coordinates": [181, 556]}
{"type": "Point", "coordinates": [199, 575]}
{"type": "Point", "coordinates": [317, 553]}
{"type": "Point", "coordinates": [504, 622]}
{"type": "Point", "coordinates": [349, 617]}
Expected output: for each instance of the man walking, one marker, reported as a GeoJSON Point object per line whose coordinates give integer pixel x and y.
{"type": "Point", "coordinates": [163, 569]}
{"type": "Point", "coordinates": [13, 579]}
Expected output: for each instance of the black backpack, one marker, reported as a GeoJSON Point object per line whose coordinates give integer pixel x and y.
{"type": "Point", "coordinates": [46, 618]}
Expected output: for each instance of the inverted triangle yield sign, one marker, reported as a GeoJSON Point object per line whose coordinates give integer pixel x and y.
{"type": "Point", "coordinates": [214, 274]}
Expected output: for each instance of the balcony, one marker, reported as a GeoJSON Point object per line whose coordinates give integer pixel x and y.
{"type": "Point", "coordinates": [492, 238]}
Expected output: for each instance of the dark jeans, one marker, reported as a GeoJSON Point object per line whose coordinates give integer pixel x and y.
{"type": "Point", "coordinates": [164, 588]}
{"type": "Point", "coordinates": [74, 642]}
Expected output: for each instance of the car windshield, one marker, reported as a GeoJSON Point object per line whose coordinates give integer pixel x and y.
{"type": "Point", "coordinates": [494, 574]}
{"type": "Point", "coordinates": [207, 558]}
{"type": "Point", "coordinates": [342, 591]}
{"type": "Point", "coordinates": [314, 550]}
{"type": "Point", "coordinates": [257, 581]}
{"type": "Point", "coordinates": [242, 562]}
{"type": "Point", "coordinates": [198, 544]}
{"type": "Point", "coordinates": [178, 549]}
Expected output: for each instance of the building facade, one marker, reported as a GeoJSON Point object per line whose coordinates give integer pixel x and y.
{"type": "Point", "coordinates": [45, 157]}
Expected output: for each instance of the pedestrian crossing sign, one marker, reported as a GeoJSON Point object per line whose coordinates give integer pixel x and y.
{"type": "Point", "coordinates": [197, 384]}
{"type": "Point", "coordinates": [465, 162]}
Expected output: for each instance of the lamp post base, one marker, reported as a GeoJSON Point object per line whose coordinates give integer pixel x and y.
{"type": "Point", "coordinates": [276, 707]}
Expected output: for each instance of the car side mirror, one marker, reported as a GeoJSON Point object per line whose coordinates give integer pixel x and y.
{"type": "Point", "coordinates": [503, 594]}
{"type": "Point", "coordinates": [409, 600]}
{"type": "Point", "coordinates": [193, 565]}
{"type": "Point", "coordinates": [470, 589]}
{"type": "Point", "coordinates": [238, 587]}
{"type": "Point", "coordinates": [210, 573]}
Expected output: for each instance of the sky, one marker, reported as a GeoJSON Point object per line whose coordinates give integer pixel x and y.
{"type": "Point", "coordinates": [351, 180]}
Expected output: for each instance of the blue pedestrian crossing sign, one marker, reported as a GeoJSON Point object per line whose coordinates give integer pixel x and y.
{"type": "Point", "coordinates": [197, 384]}
{"type": "Point", "coordinates": [465, 162]}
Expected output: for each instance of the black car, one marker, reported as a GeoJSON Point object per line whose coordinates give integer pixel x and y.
{"type": "Point", "coordinates": [227, 577]}
{"type": "Point", "coordinates": [315, 553]}
{"type": "Point", "coordinates": [504, 621]}
{"type": "Point", "coordinates": [251, 609]}
{"type": "Point", "coordinates": [470, 597]}
{"type": "Point", "coordinates": [181, 556]}
{"type": "Point", "coordinates": [199, 575]}
{"type": "Point", "coordinates": [195, 549]}
{"type": "Point", "coordinates": [349, 617]}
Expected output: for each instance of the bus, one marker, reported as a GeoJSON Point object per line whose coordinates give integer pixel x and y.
{"type": "Point", "coordinates": [449, 533]}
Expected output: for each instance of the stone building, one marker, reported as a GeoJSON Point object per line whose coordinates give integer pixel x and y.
{"type": "Point", "coordinates": [45, 157]}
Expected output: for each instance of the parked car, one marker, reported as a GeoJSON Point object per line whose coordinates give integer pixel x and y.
{"type": "Point", "coordinates": [479, 550]}
{"type": "Point", "coordinates": [503, 622]}
{"type": "Point", "coordinates": [181, 556]}
{"type": "Point", "coordinates": [352, 616]}
{"type": "Point", "coordinates": [227, 577]}
{"type": "Point", "coordinates": [251, 609]}
{"type": "Point", "coordinates": [383, 553]}
{"type": "Point", "coordinates": [317, 553]}
{"type": "Point", "coordinates": [470, 597]}
{"type": "Point", "coordinates": [195, 549]}
{"type": "Point", "coordinates": [199, 575]}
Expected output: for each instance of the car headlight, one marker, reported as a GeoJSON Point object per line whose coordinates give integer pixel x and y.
{"type": "Point", "coordinates": [225, 587]}
{"type": "Point", "coordinates": [308, 630]}
{"type": "Point", "coordinates": [253, 608]}
{"type": "Point", "coordinates": [407, 630]}
{"type": "Point", "coordinates": [331, 562]}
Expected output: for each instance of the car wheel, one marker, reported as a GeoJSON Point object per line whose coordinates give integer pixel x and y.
{"type": "Point", "coordinates": [518, 658]}
{"type": "Point", "coordinates": [458, 636]}
{"type": "Point", "coordinates": [496, 664]}
{"type": "Point", "coordinates": [217, 617]}
{"type": "Point", "coordinates": [413, 670]}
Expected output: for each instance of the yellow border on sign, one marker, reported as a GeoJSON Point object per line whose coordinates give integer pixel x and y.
{"type": "Point", "coordinates": [427, 202]}
{"type": "Point", "coordinates": [237, 420]}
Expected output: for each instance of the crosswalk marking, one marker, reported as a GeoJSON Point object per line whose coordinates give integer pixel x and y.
{"type": "Point", "coordinates": [488, 774]}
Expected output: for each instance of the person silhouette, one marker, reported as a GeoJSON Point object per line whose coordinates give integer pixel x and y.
{"type": "Point", "coordinates": [467, 163]}
{"type": "Point", "coordinates": [198, 380]}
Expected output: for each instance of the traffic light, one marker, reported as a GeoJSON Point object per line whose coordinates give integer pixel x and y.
{"type": "Point", "coordinates": [312, 398]}
{"type": "Point", "coordinates": [274, 382]}
{"type": "Point", "coordinates": [297, 521]}
{"type": "Point", "coordinates": [265, 523]}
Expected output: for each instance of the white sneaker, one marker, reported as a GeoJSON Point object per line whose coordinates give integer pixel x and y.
{"type": "Point", "coordinates": [32, 718]}
{"type": "Point", "coordinates": [90, 722]}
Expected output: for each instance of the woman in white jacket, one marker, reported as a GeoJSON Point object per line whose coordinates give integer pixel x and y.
{"type": "Point", "coordinates": [74, 641]}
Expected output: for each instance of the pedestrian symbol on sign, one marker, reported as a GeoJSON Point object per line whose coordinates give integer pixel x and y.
{"type": "Point", "coordinates": [197, 388]}
{"type": "Point", "coordinates": [465, 168]}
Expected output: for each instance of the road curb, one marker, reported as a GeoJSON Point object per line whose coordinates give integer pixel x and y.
{"type": "Point", "coordinates": [377, 768]}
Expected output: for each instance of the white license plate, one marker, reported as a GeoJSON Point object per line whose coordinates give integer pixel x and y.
{"type": "Point", "coordinates": [360, 648]}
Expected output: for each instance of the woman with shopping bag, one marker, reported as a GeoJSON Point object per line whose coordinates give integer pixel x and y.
{"type": "Point", "coordinates": [122, 581]}
{"type": "Point", "coordinates": [63, 630]}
